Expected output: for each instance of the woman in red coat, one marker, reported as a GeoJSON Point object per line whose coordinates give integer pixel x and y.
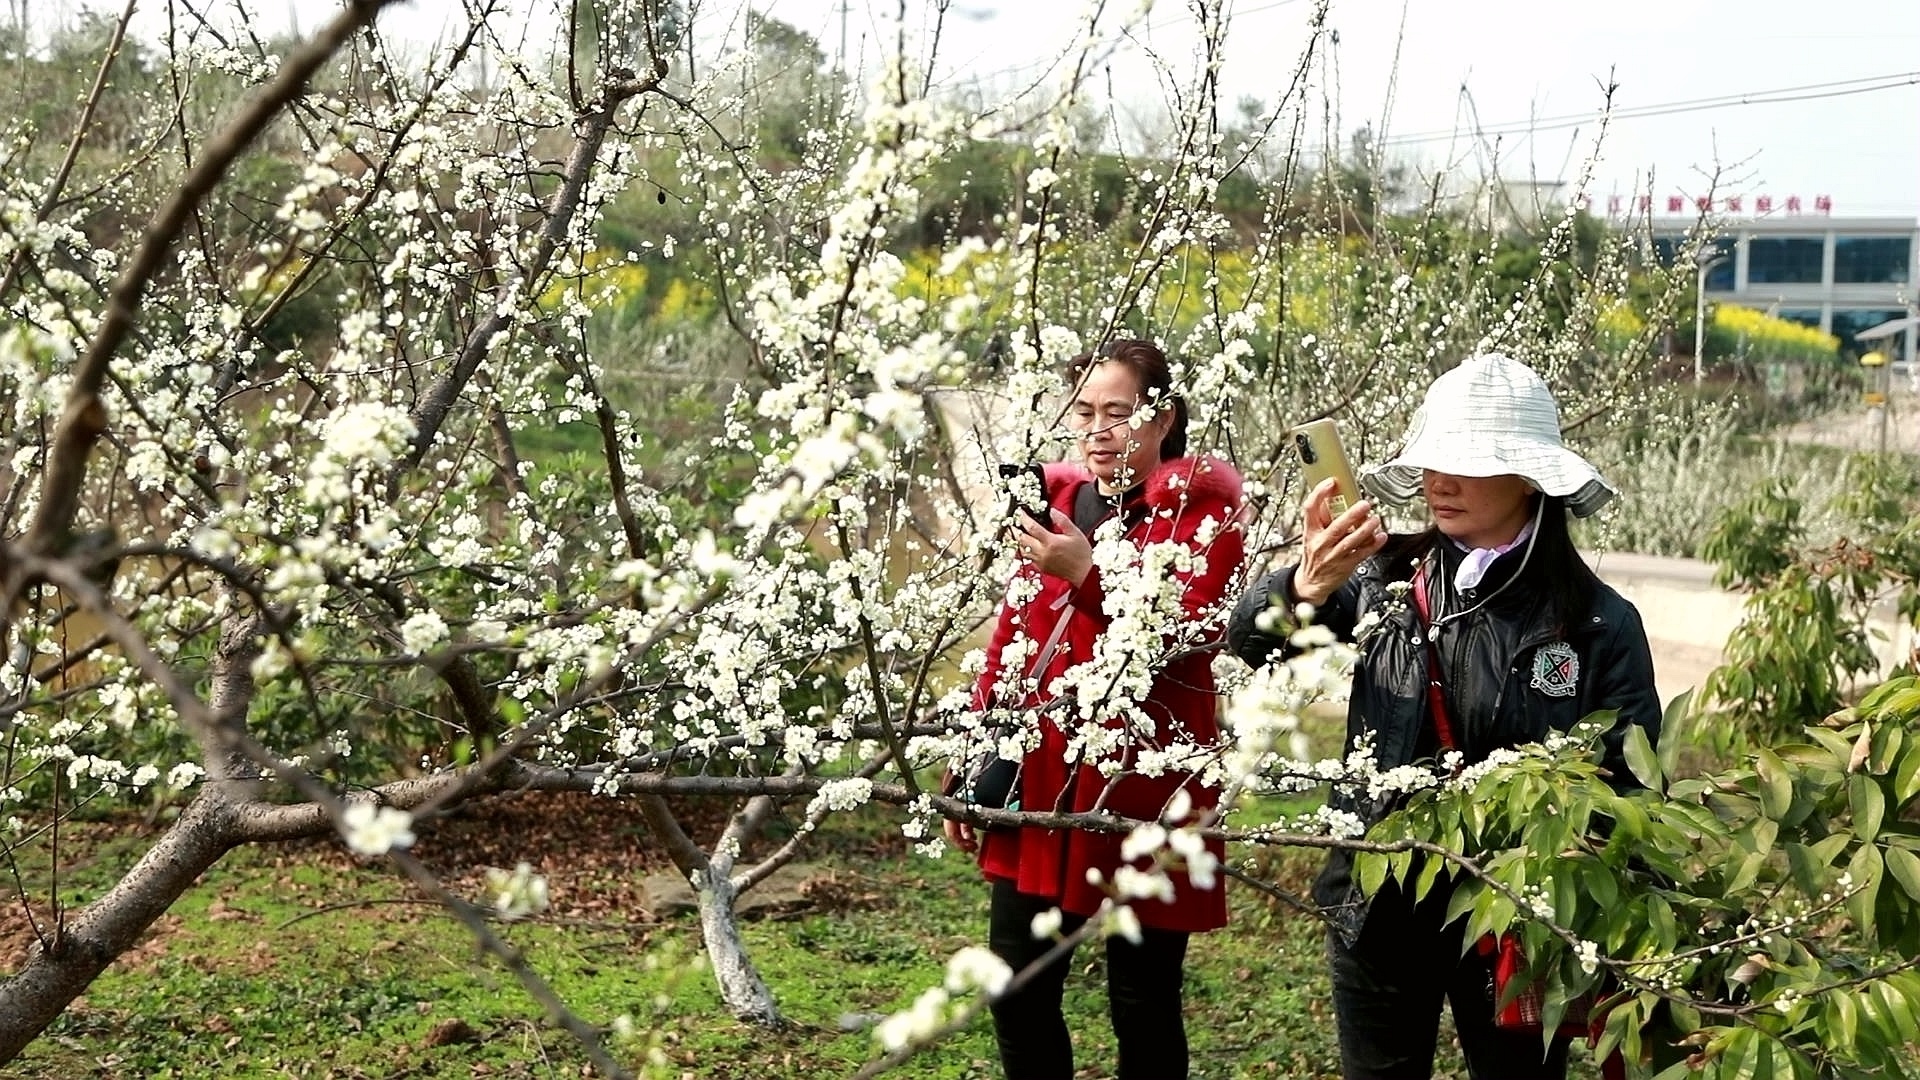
{"type": "Point", "coordinates": [1128, 677]}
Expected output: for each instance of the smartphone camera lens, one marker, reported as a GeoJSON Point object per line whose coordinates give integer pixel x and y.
{"type": "Point", "coordinates": [1305, 446]}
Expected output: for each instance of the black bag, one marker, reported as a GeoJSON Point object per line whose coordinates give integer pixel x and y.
{"type": "Point", "coordinates": [988, 782]}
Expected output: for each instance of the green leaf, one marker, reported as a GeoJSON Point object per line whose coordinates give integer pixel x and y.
{"type": "Point", "coordinates": [1464, 899]}
{"type": "Point", "coordinates": [1828, 850]}
{"type": "Point", "coordinates": [1838, 746]}
{"type": "Point", "coordinates": [1776, 784]}
{"type": "Point", "coordinates": [1552, 1008]}
{"type": "Point", "coordinates": [1732, 807]}
{"type": "Point", "coordinates": [1877, 698]}
{"type": "Point", "coordinates": [1904, 865]}
{"type": "Point", "coordinates": [1898, 1011]}
{"type": "Point", "coordinates": [1429, 873]}
{"type": "Point", "coordinates": [1741, 1057]}
{"type": "Point", "coordinates": [1660, 921]}
{"type": "Point", "coordinates": [1630, 824]}
{"type": "Point", "coordinates": [1763, 1046]}
{"type": "Point", "coordinates": [1642, 761]}
{"type": "Point", "coordinates": [1400, 864]}
{"type": "Point", "coordinates": [1686, 1018]}
{"type": "Point", "coordinates": [512, 710]}
{"type": "Point", "coordinates": [1899, 697]}
{"type": "Point", "coordinates": [1843, 1021]}
{"type": "Point", "coordinates": [1600, 885]}
{"type": "Point", "coordinates": [1869, 805]}
{"type": "Point", "coordinates": [1369, 869]}
{"type": "Point", "coordinates": [1745, 873]}
{"type": "Point", "coordinates": [1906, 776]}
{"type": "Point", "coordinates": [1887, 744]}
{"type": "Point", "coordinates": [1865, 869]}
{"type": "Point", "coordinates": [1481, 921]}
{"type": "Point", "coordinates": [1671, 723]}
{"type": "Point", "coordinates": [1808, 870]}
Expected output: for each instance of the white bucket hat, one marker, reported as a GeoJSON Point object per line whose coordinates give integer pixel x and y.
{"type": "Point", "coordinates": [1491, 416]}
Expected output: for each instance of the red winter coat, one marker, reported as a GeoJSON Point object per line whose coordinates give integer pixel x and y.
{"type": "Point", "coordinates": [1179, 496]}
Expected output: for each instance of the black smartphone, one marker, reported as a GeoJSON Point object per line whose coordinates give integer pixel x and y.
{"type": "Point", "coordinates": [1028, 498]}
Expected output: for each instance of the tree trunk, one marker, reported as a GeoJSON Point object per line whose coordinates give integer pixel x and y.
{"type": "Point", "coordinates": [61, 969]}
{"type": "Point", "coordinates": [745, 993]}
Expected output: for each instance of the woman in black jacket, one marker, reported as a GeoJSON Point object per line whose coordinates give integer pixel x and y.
{"type": "Point", "coordinates": [1524, 640]}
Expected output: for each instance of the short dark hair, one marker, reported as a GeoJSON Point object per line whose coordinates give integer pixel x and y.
{"type": "Point", "coordinates": [1148, 364]}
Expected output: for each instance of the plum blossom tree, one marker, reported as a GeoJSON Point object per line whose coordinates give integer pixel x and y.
{"type": "Point", "coordinates": [329, 502]}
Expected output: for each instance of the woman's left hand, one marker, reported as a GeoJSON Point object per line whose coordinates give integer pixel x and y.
{"type": "Point", "coordinates": [1063, 551]}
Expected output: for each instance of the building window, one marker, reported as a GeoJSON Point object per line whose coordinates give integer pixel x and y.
{"type": "Point", "coordinates": [1848, 323]}
{"type": "Point", "coordinates": [1871, 260]}
{"type": "Point", "coordinates": [1784, 260]}
{"type": "Point", "coordinates": [1720, 277]}
{"type": "Point", "coordinates": [1803, 316]}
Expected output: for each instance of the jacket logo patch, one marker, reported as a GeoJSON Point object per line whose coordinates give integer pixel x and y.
{"type": "Point", "coordinates": [1556, 669]}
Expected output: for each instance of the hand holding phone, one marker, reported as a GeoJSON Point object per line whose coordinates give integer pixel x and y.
{"type": "Point", "coordinates": [1322, 457]}
{"type": "Point", "coordinates": [1333, 546]}
{"type": "Point", "coordinates": [1027, 487]}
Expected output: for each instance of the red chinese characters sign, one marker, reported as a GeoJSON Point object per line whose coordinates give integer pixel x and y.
{"type": "Point", "coordinates": [1755, 205]}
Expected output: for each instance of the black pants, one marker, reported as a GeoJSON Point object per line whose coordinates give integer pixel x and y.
{"type": "Point", "coordinates": [1143, 997]}
{"type": "Point", "coordinates": [1387, 991]}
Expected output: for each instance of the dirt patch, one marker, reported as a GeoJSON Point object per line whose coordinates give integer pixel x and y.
{"type": "Point", "coordinates": [603, 863]}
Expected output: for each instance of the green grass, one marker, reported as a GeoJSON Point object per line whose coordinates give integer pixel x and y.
{"type": "Point", "coordinates": [304, 963]}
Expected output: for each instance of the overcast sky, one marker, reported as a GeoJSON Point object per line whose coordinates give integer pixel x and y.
{"type": "Point", "coordinates": [1843, 76]}
{"type": "Point", "coordinates": [1508, 62]}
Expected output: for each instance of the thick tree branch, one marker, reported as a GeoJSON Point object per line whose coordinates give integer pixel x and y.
{"type": "Point", "coordinates": [430, 413]}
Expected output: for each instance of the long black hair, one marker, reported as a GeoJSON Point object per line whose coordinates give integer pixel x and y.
{"type": "Point", "coordinates": [1554, 567]}
{"type": "Point", "coordinates": [1149, 365]}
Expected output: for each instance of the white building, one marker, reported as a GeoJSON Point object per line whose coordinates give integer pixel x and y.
{"type": "Point", "coordinates": [1843, 275]}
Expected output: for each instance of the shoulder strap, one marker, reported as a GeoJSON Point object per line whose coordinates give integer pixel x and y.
{"type": "Point", "coordinates": [1436, 696]}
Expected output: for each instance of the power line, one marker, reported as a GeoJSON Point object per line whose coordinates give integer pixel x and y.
{"type": "Point", "coordinates": [1772, 96]}
{"type": "Point", "coordinates": [1814, 91]}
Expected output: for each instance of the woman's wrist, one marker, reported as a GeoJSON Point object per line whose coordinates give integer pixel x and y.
{"type": "Point", "coordinates": [1295, 595]}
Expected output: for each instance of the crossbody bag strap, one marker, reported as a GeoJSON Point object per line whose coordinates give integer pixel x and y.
{"type": "Point", "coordinates": [1436, 695]}
{"type": "Point", "coordinates": [1060, 620]}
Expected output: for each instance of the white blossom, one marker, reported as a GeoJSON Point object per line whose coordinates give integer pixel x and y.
{"type": "Point", "coordinates": [422, 632]}
{"type": "Point", "coordinates": [518, 892]}
{"type": "Point", "coordinates": [1047, 923]}
{"type": "Point", "coordinates": [842, 794]}
{"type": "Point", "coordinates": [376, 830]}
{"type": "Point", "coordinates": [976, 968]}
{"type": "Point", "coordinates": [919, 1022]}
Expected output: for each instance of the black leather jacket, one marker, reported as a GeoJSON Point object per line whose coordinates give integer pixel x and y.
{"type": "Point", "coordinates": [1510, 673]}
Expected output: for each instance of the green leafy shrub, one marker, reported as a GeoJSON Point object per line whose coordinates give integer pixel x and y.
{"type": "Point", "coordinates": [1761, 921]}
{"type": "Point", "coordinates": [1806, 633]}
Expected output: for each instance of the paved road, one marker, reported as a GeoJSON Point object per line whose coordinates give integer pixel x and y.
{"type": "Point", "coordinates": [1687, 617]}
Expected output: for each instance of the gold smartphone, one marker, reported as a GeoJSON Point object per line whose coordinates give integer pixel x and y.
{"type": "Point", "coordinates": [1322, 456]}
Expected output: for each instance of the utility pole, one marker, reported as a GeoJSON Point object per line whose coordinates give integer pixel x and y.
{"type": "Point", "coordinates": [1700, 313]}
